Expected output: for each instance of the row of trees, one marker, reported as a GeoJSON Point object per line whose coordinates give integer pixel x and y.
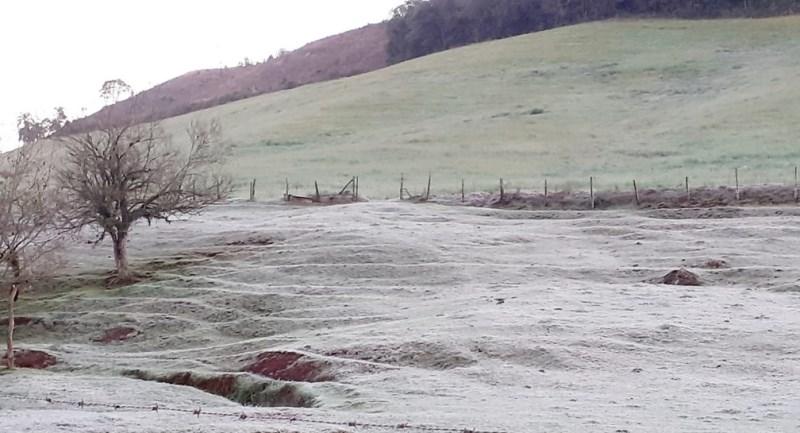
{"type": "Point", "coordinates": [420, 27]}
{"type": "Point", "coordinates": [31, 129]}
{"type": "Point", "coordinates": [106, 180]}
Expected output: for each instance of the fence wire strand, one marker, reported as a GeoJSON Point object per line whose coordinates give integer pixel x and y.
{"type": "Point", "coordinates": [244, 416]}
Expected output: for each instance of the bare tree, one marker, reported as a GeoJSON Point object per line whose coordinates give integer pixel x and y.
{"type": "Point", "coordinates": [123, 174]}
{"type": "Point", "coordinates": [29, 233]}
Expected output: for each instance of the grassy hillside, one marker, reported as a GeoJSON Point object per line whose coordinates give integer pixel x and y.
{"type": "Point", "coordinates": [343, 55]}
{"type": "Point", "coordinates": [656, 100]}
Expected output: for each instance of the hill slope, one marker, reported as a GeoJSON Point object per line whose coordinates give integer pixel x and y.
{"type": "Point", "coordinates": [657, 100]}
{"type": "Point", "coordinates": [350, 53]}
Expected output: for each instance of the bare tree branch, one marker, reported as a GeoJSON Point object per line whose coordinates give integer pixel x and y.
{"type": "Point", "coordinates": [29, 229]}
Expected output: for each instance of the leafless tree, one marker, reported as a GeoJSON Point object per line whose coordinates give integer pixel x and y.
{"type": "Point", "coordinates": [119, 175]}
{"type": "Point", "coordinates": [29, 230]}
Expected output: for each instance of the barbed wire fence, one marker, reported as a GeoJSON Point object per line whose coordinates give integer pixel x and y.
{"type": "Point", "coordinates": [244, 416]}
{"type": "Point", "coordinates": [636, 190]}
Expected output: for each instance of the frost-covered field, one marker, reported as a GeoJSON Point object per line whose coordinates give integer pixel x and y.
{"type": "Point", "coordinates": [422, 314]}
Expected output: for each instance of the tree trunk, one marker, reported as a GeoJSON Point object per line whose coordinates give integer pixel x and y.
{"type": "Point", "coordinates": [13, 294]}
{"type": "Point", "coordinates": [12, 300]}
{"type": "Point", "coordinates": [121, 255]}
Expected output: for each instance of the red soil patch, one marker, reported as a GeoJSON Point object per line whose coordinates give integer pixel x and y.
{"type": "Point", "coordinates": [33, 359]}
{"type": "Point", "coordinates": [223, 385]}
{"type": "Point", "coordinates": [117, 334]}
{"type": "Point", "coordinates": [290, 366]}
{"type": "Point", "coordinates": [263, 393]}
{"type": "Point", "coordinates": [19, 321]}
{"type": "Point", "coordinates": [681, 277]}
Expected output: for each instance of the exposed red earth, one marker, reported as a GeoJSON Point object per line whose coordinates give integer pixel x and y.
{"type": "Point", "coordinates": [223, 385]}
{"type": "Point", "coordinates": [35, 359]}
{"type": "Point", "coordinates": [290, 366]}
{"type": "Point", "coordinates": [19, 321]}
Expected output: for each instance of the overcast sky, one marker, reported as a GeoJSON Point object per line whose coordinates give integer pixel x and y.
{"type": "Point", "coordinates": [59, 52]}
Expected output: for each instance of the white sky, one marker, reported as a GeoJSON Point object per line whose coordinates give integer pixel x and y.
{"type": "Point", "coordinates": [59, 52]}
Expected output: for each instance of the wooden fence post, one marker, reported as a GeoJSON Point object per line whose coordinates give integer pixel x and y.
{"type": "Point", "coordinates": [357, 188]}
{"type": "Point", "coordinates": [688, 191]}
{"type": "Point", "coordinates": [428, 191]}
{"type": "Point", "coordinates": [736, 175]}
{"type": "Point", "coordinates": [502, 191]}
{"type": "Point", "coordinates": [462, 191]}
{"type": "Point", "coordinates": [286, 196]}
{"type": "Point", "coordinates": [402, 180]}
{"type": "Point", "coordinates": [253, 190]}
{"type": "Point", "coordinates": [796, 186]}
{"type": "Point", "coordinates": [349, 185]}
{"type": "Point", "coordinates": [316, 189]}
{"type": "Point", "coordinates": [591, 190]}
{"type": "Point", "coordinates": [636, 193]}
{"type": "Point", "coordinates": [545, 189]}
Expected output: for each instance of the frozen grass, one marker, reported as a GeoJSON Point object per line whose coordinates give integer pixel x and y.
{"type": "Point", "coordinates": [459, 317]}
{"type": "Point", "coordinates": [656, 100]}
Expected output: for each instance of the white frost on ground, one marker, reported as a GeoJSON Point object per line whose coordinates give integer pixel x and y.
{"type": "Point", "coordinates": [474, 318]}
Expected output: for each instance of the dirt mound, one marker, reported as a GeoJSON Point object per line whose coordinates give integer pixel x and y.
{"type": "Point", "coordinates": [715, 264]}
{"type": "Point", "coordinates": [243, 389]}
{"type": "Point", "coordinates": [33, 359]}
{"type": "Point", "coordinates": [681, 277]}
{"type": "Point", "coordinates": [117, 334]}
{"type": "Point", "coordinates": [291, 366]}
